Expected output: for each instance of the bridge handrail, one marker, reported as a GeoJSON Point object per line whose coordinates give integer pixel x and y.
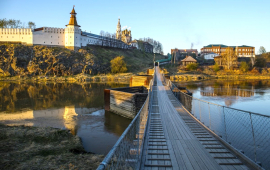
{"type": "Point", "coordinates": [126, 153]}
{"type": "Point", "coordinates": [245, 131]}
{"type": "Point", "coordinates": [222, 105]}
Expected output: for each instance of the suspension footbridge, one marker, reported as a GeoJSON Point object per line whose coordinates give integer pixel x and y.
{"type": "Point", "coordinates": [176, 131]}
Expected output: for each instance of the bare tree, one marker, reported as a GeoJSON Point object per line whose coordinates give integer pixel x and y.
{"type": "Point", "coordinates": [262, 50]}
{"type": "Point", "coordinates": [31, 25]}
{"type": "Point", "coordinates": [229, 58]}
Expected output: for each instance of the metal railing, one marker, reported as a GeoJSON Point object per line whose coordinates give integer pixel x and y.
{"type": "Point", "coordinates": [245, 131]}
{"type": "Point", "coordinates": [127, 152]}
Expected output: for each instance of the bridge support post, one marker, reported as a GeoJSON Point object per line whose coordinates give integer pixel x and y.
{"type": "Point", "coordinates": [255, 152]}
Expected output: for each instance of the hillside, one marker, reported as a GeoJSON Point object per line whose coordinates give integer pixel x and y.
{"type": "Point", "coordinates": [20, 60]}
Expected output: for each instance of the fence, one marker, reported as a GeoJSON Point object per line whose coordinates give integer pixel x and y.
{"type": "Point", "coordinates": [126, 153]}
{"type": "Point", "coordinates": [247, 132]}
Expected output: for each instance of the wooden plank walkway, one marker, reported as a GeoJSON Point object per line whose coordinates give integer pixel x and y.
{"type": "Point", "coordinates": [176, 141]}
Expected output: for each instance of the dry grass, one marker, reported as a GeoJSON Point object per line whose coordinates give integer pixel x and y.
{"type": "Point", "coordinates": [24, 147]}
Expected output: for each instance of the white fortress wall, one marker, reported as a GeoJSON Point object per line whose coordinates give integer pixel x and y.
{"type": "Point", "coordinates": [49, 36]}
{"type": "Point", "coordinates": [72, 36]}
{"type": "Point", "coordinates": [23, 35]}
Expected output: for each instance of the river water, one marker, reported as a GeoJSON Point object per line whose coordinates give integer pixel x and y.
{"type": "Point", "coordinates": [80, 107]}
{"type": "Point", "coordinates": [248, 95]}
{"type": "Point", "coordinates": [77, 107]}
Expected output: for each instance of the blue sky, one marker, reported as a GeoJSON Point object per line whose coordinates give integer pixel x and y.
{"type": "Point", "coordinates": [176, 24]}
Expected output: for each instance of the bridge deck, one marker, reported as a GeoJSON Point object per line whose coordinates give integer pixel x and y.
{"type": "Point", "coordinates": [176, 141]}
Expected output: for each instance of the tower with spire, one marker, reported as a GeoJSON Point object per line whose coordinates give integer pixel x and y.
{"type": "Point", "coordinates": [118, 30]}
{"type": "Point", "coordinates": [73, 32]}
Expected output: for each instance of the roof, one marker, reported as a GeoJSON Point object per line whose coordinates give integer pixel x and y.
{"type": "Point", "coordinates": [189, 58]}
{"type": "Point", "coordinates": [98, 36]}
{"type": "Point", "coordinates": [73, 11]}
{"type": "Point", "coordinates": [216, 45]}
{"type": "Point", "coordinates": [73, 20]}
{"type": "Point", "coordinates": [185, 50]}
{"type": "Point", "coordinates": [221, 45]}
{"type": "Point", "coordinates": [39, 29]}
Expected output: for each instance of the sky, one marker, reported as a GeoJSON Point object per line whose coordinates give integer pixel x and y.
{"type": "Point", "coordinates": [174, 23]}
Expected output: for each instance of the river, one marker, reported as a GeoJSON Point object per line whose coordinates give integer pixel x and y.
{"type": "Point", "coordinates": [80, 107]}
{"type": "Point", "coordinates": [248, 95]}
{"type": "Point", "coordinates": [77, 107]}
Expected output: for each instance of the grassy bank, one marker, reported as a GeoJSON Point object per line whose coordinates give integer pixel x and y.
{"type": "Point", "coordinates": [24, 147]}
{"type": "Point", "coordinates": [208, 73]}
{"type": "Point", "coordinates": [123, 77]}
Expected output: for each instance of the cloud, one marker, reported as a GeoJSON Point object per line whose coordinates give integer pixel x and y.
{"type": "Point", "coordinates": [126, 27]}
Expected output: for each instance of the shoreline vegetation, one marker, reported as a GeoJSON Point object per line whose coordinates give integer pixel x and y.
{"type": "Point", "coordinates": [177, 73]}
{"type": "Point", "coordinates": [24, 147]}
{"type": "Point", "coordinates": [121, 77]}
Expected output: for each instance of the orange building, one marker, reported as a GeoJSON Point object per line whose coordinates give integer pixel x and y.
{"type": "Point", "coordinates": [241, 51]}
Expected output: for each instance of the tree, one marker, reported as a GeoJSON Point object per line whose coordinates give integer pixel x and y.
{"type": "Point", "coordinates": [31, 25]}
{"type": "Point", "coordinates": [3, 23]}
{"type": "Point", "coordinates": [118, 65]}
{"type": "Point", "coordinates": [244, 66]}
{"type": "Point", "coordinates": [260, 62]}
{"type": "Point", "coordinates": [192, 66]}
{"type": "Point", "coordinates": [229, 58]}
{"type": "Point", "coordinates": [216, 67]}
{"type": "Point", "coordinates": [262, 50]}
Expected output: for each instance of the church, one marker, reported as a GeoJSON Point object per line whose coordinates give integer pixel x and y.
{"type": "Point", "coordinates": [71, 37]}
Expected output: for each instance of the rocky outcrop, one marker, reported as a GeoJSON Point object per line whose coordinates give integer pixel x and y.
{"type": "Point", "coordinates": [16, 59]}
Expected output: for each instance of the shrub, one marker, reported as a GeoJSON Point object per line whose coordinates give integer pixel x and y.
{"type": "Point", "coordinates": [264, 71]}
{"type": "Point", "coordinates": [244, 67]}
{"type": "Point", "coordinates": [216, 67]}
{"type": "Point", "coordinates": [192, 66]}
{"type": "Point", "coordinates": [255, 71]}
{"type": "Point", "coordinates": [118, 65]}
{"type": "Point", "coordinates": [208, 71]}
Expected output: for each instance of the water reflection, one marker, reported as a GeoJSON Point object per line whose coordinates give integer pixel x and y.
{"type": "Point", "coordinates": [250, 95]}
{"type": "Point", "coordinates": [77, 107]}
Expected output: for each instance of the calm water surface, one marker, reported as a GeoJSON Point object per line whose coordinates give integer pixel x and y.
{"type": "Point", "coordinates": [248, 95]}
{"type": "Point", "coordinates": [79, 108]}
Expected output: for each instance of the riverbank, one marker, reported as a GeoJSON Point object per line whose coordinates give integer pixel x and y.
{"type": "Point", "coordinates": [196, 76]}
{"type": "Point", "coordinates": [123, 77]}
{"type": "Point", "coordinates": [23, 147]}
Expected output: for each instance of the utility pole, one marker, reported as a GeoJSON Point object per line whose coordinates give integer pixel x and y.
{"type": "Point", "coordinates": [154, 59]}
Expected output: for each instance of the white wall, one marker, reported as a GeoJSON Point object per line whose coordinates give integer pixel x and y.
{"type": "Point", "coordinates": [210, 56]}
{"type": "Point", "coordinates": [23, 35]}
{"type": "Point", "coordinates": [72, 36]}
{"type": "Point", "coordinates": [49, 36]}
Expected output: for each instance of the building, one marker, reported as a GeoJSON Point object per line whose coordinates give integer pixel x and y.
{"type": "Point", "coordinates": [71, 37]}
{"type": "Point", "coordinates": [188, 60]}
{"type": "Point", "coordinates": [141, 45]}
{"type": "Point", "coordinates": [182, 53]}
{"type": "Point", "coordinates": [210, 56]}
{"type": "Point", "coordinates": [124, 35]}
{"type": "Point", "coordinates": [241, 51]}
